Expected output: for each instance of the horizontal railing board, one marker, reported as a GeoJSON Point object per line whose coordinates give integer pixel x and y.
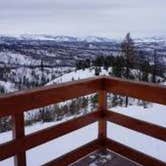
{"type": "Point", "coordinates": [143, 127]}
{"type": "Point", "coordinates": [26, 100]}
{"type": "Point", "coordinates": [133, 154]}
{"type": "Point", "coordinates": [145, 91]}
{"type": "Point", "coordinates": [32, 140]}
{"type": "Point", "coordinates": [40, 97]}
{"type": "Point", "coordinates": [19, 102]}
{"type": "Point", "coordinates": [74, 155]}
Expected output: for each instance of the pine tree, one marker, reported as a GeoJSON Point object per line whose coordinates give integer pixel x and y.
{"type": "Point", "coordinates": [43, 80]}
{"type": "Point", "coordinates": [128, 50]}
{"type": "Point", "coordinates": [117, 68]}
{"type": "Point", "coordinates": [154, 67]}
{"type": "Point", "coordinates": [145, 69]}
{"type": "Point", "coordinates": [94, 101]}
{"type": "Point", "coordinates": [97, 71]}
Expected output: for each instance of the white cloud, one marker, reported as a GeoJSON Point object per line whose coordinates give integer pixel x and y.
{"type": "Point", "coordinates": [83, 17]}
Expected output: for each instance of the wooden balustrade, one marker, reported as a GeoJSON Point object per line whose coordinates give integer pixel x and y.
{"type": "Point", "coordinates": [17, 103]}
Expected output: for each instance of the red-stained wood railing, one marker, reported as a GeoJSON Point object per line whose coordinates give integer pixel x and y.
{"type": "Point", "coordinates": [22, 101]}
{"type": "Point", "coordinates": [17, 103]}
{"type": "Point", "coordinates": [18, 133]}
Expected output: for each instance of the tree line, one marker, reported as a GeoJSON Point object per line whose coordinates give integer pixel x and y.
{"type": "Point", "coordinates": [129, 58]}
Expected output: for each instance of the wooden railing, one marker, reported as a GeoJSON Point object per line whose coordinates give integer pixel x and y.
{"type": "Point", "coordinates": [17, 103]}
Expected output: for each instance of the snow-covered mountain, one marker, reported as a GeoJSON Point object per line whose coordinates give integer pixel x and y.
{"type": "Point", "coordinates": [65, 38]}
{"type": "Point", "coordinates": [92, 39]}
{"type": "Point", "coordinates": [59, 38]}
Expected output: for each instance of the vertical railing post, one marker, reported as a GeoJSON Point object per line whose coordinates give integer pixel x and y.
{"type": "Point", "coordinates": [102, 133]}
{"type": "Point", "coordinates": [18, 132]}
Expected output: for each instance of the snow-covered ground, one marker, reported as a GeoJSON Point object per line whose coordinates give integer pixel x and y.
{"type": "Point", "coordinates": [155, 113]}
{"type": "Point", "coordinates": [13, 58]}
{"type": "Point", "coordinates": [78, 74]}
{"type": "Point", "coordinates": [8, 86]}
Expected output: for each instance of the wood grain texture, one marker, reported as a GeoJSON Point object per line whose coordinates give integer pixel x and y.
{"type": "Point", "coordinates": [18, 132]}
{"type": "Point", "coordinates": [141, 90]}
{"type": "Point", "coordinates": [102, 98]}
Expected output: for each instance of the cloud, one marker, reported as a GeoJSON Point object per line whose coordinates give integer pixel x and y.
{"type": "Point", "coordinates": [83, 17]}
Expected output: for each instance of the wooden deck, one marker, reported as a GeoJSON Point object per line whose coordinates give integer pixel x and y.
{"type": "Point", "coordinates": [16, 104]}
{"type": "Point", "coordinates": [104, 158]}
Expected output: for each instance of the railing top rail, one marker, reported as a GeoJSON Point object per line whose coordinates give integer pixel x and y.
{"type": "Point", "coordinates": [17, 102]}
{"type": "Point", "coordinates": [145, 91]}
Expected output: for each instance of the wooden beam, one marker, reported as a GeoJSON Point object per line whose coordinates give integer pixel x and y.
{"type": "Point", "coordinates": [132, 154]}
{"type": "Point", "coordinates": [22, 144]}
{"type": "Point", "coordinates": [39, 97]}
{"type": "Point", "coordinates": [19, 133]}
{"type": "Point", "coordinates": [75, 155]}
{"type": "Point", "coordinates": [141, 90]}
{"type": "Point", "coordinates": [102, 127]}
{"type": "Point", "coordinates": [147, 128]}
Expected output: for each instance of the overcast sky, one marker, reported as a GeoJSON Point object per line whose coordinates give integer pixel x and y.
{"type": "Point", "coordinates": [108, 18]}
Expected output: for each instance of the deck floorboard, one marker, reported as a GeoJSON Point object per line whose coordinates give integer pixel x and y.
{"type": "Point", "coordinates": [104, 158]}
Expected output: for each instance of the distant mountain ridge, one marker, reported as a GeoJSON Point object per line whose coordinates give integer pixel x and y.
{"type": "Point", "coordinates": [56, 38]}
{"type": "Point", "coordinates": [65, 38]}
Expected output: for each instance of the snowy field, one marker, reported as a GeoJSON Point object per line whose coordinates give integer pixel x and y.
{"type": "Point", "coordinates": [78, 74]}
{"type": "Point", "coordinates": [155, 113]}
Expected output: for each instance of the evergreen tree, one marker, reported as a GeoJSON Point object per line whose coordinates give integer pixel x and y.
{"type": "Point", "coordinates": [99, 61]}
{"type": "Point", "coordinates": [97, 71]}
{"type": "Point", "coordinates": [117, 68]}
{"type": "Point", "coordinates": [43, 80]}
{"type": "Point", "coordinates": [94, 101]}
{"type": "Point", "coordinates": [154, 67]}
{"type": "Point", "coordinates": [145, 69]}
{"type": "Point", "coordinates": [128, 51]}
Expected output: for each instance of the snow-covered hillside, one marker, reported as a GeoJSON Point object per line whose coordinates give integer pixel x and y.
{"type": "Point", "coordinates": [7, 86]}
{"type": "Point", "coordinates": [17, 59]}
{"type": "Point", "coordinates": [78, 74]}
